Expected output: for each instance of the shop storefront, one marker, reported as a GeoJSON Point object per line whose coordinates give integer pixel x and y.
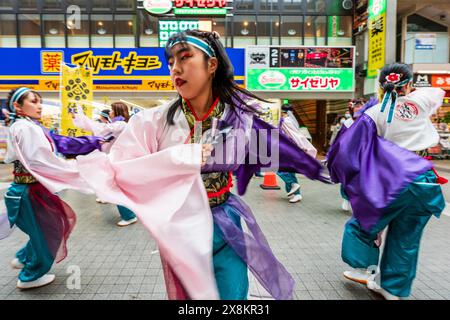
{"type": "Point", "coordinates": [121, 41]}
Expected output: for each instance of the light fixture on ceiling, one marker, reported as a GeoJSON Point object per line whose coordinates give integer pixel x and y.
{"type": "Point", "coordinates": [101, 31]}
{"type": "Point", "coordinates": [148, 31]}
{"type": "Point", "coordinates": [130, 23]}
{"type": "Point", "coordinates": [340, 33]}
{"type": "Point", "coordinates": [244, 32]}
{"type": "Point", "coordinates": [347, 4]}
{"type": "Point", "coordinates": [53, 31]}
{"type": "Point", "coordinates": [292, 32]}
{"type": "Point", "coordinates": [245, 23]}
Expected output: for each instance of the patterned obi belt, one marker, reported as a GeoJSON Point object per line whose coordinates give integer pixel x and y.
{"type": "Point", "coordinates": [21, 175]}
{"type": "Point", "coordinates": [218, 186]}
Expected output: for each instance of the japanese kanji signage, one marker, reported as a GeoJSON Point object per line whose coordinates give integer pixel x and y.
{"type": "Point", "coordinates": [76, 89]}
{"type": "Point", "coordinates": [51, 61]}
{"type": "Point", "coordinates": [274, 68]}
{"type": "Point", "coordinates": [200, 7]}
{"type": "Point", "coordinates": [187, 7]}
{"type": "Point", "coordinates": [114, 61]}
{"type": "Point", "coordinates": [136, 69]}
{"type": "Point", "coordinates": [377, 36]}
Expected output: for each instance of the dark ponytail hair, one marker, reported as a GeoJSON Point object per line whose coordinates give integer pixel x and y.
{"type": "Point", "coordinates": [388, 86]}
{"type": "Point", "coordinates": [393, 77]}
{"type": "Point", "coordinates": [223, 84]}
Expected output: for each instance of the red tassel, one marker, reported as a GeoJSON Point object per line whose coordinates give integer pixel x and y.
{"type": "Point", "coordinates": [440, 180]}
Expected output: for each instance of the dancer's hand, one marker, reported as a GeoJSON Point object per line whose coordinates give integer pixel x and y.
{"type": "Point", "coordinates": [206, 152]}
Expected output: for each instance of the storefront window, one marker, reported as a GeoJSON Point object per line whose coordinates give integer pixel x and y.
{"type": "Point", "coordinates": [102, 31]}
{"type": "Point", "coordinates": [268, 5]}
{"type": "Point", "coordinates": [315, 31]}
{"type": "Point", "coordinates": [8, 31]}
{"type": "Point", "coordinates": [293, 5]}
{"type": "Point", "coordinates": [30, 30]}
{"type": "Point", "coordinates": [244, 5]}
{"type": "Point", "coordinates": [82, 4]}
{"type": "Point", "coordinates": [28, 4]}
{"type": "Point", "coordinates": [292, 30]}
{"type": "Point", "coordinates": [148, 34]}
{"type": "Point", "coordinates": [6, 4]}
{"type": "Point", "coordinates": [339, 31]}
{"type": "Point", "coordinates": [125, 26]}
{"type": "Point", "coordinates": [78, 32]}
{"type": "Point", "coordinates": [316, 6]}
{"type": "Point", "coordinates": [229, 26]}
{"type": "Point", "coordinates": [52, 4]}
{"type": "Point", "coordinates": [54, 30]}
{"type": "Point", "coordinates": [244, 31]}
{"type": "Point", "coordinates": [218, 25]}
{"type": "Point", "coordinates": [268, 30]}
{"type": "Point", "coordinates": [418, 23]}
{"type": "Point", "coordinates": [125, 5]}
{"type": "Point", "coordinates": [101, 5]}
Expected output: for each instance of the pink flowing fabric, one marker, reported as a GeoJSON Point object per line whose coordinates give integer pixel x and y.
{"type": "Point", "coordinates": [35, 152]}
{"type": "Point", "coordinates": [55, 217]}
{"type": "Point", "coordinates": [174, 287]}
{"type": "Point", "coordinates": [158, 178]}
{"type": "Point", "coordinates": [99, 129]}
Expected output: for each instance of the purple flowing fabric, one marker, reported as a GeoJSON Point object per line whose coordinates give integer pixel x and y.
{"type": "Point", "coordinates": [246, 160]}
{"type": "Point", "coordinates": [74, 146]}
{"type": "Point", "coordinates": [253, 248]}
{"type": "Point", "coordinates": [5, 226]}
{"type": "Point", "coordinates": [372, 170]}
{"type": "Point", "coordinates": [118, 118]}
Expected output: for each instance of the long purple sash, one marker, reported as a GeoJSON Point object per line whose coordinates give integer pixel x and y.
{"type": "Point", "coordinates": [253, 248]}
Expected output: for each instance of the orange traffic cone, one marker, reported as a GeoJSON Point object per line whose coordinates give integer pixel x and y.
{"type": "Point", "coordinates": [270, 181]}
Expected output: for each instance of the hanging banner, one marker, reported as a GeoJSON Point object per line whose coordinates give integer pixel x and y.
{"type": "Point", "coordinates": [76, 90]}
{"type": "Point", "coordinates": [377, 36]}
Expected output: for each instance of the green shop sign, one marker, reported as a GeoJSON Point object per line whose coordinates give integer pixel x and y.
{"type": "Point", "coordinates": [318, 69]}
{"type": "Point", "coordinates": [169, 27]}
{"type": "Point", "coordinates": [300, 80]}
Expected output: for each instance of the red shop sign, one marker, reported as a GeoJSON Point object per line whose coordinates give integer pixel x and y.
{"type": "Point", "coordinates": [200, 3]}
{"type": "Point", "coordinates": [441, 81]}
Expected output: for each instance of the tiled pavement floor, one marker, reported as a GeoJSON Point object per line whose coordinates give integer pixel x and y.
{"type": "Point", "coordinates": [122, 263]}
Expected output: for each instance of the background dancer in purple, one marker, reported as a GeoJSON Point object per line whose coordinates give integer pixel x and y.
{"type": "Point", "coordinates": [388, 183]}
